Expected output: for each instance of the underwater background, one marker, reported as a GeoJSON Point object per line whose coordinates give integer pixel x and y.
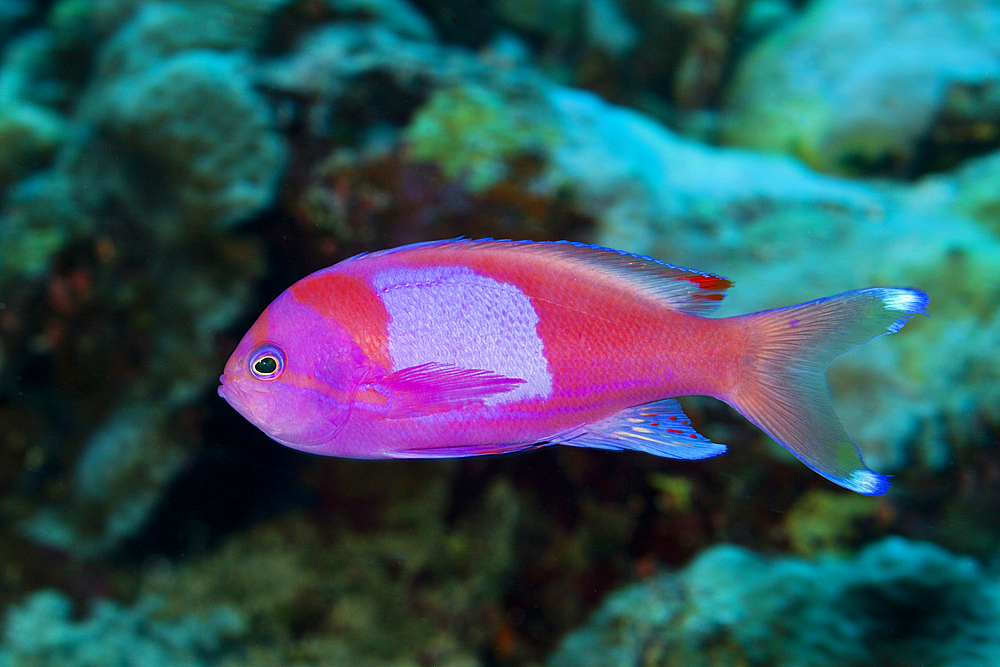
{"type": "Point", "coordinates": [167, 168]}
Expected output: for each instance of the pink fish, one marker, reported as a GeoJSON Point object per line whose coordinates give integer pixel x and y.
{"type": "Point", "coordinates": [462, 348]}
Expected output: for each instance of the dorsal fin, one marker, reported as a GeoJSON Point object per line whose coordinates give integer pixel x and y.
{"type": "Point", "coordinates": [683, 290]}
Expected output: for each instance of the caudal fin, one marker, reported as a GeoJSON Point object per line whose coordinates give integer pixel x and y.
{"type": "Point", "coordinates": [782, 388]}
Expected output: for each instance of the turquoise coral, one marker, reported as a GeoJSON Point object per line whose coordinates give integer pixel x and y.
{"type": "Point", "coordinates": [30, 132]}
{"type": "Point", "coordinates": [899, 602]}
{"type": "Point", "coordinates": [187, 144]}
{"type": "Point", "coordinates": [854, 85]}
{"type": "Point", "coordinates": [42, 632]}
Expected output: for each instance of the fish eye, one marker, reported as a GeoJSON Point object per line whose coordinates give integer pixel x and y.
{"type": "Point", "coordinates": [267, 362]}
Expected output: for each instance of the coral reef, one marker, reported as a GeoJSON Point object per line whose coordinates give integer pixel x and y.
{"type": "Point", "coordinates": [854, 86]}
{"type": "Point", "coordinates": [168, 167]}
{"type": "Point", "coordinates": [13, 13]}
{"type": "Point", "coordinates": [472, 133]}
{"type": "Point", "coordinates": [826, 522]}
{"type": "Point", "coordinates": [116, 275]}
{"type": "Point", "coordinates": [406, 592]}
{"type": "Point", "coordinates": [358, 85]}
{"type": "Point", "coordinates": [43, 632]}
{"type": "Point", "coordinates": [117, 482]}
{"type": "Point", "coordinates": [897, 602]}
{"type": "Point", "coordinates": [30, 131]}
{"type": "Point", "coordinates": [146, 154]}
{"type": "Point", "coordinates": [156, 31]}
{"type": "Point", "coordinates": [670, 59]}
{"type": "Point", "coordinates": [976, 187]}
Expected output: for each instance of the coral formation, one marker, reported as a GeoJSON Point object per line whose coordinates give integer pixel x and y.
{"type": "Point", "coordinates": [118, 480]}
{"type": "Point", "coordinates": [977, 185]}
{"type": "Point", "coordinates": [30, 131]}
{"type": "Point", "coordinates": [898, 602]}
{"type": "Point", "coordinates": [151, 154]}
{"type": "Point", "coordinates": [114, 266]}
{"type": "Point", "coordinates": [472, 133]}
{"type": "Point", "coordinates": [156, 31]}
{"type": "Point", "coordinates": [855, 86]}
{"type": "Point", "coordinates": [43, 631]}
{"type": "Point", "coordinates": [408, 591]}
{"type": "Point", "coordinates": [826, 522]}
{"type": "Point", "coordinates": [670, 59]}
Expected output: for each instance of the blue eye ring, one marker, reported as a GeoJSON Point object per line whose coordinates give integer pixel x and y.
{"type": "Point", "coordinates": [267, 362]}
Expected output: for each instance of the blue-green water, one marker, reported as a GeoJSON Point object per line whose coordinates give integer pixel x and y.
{"type": "Point", "coordinates": [168, 168]}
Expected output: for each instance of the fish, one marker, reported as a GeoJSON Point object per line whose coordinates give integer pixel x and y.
{"type": "Point", "coordinates": [464, 347]}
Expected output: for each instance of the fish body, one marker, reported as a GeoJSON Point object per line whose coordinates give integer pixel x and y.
{"type": "Point", "coordinates": [462, 348]}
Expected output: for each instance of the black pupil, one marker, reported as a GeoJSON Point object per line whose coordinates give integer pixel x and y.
{"type": "Point", "coordinates": [266, 365]}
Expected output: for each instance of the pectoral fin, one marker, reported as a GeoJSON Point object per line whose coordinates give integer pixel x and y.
{"type": "Point", "coordinates": [433, 387]}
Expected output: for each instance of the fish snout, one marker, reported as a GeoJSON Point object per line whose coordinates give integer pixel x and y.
{"type": "Point", "coordinates": [258, 407]}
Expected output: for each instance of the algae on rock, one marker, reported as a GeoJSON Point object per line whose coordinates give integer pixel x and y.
{"type": "Point", "coordinates": [406, 590]}
{"type": "Point", "coordinates": [471, 132]}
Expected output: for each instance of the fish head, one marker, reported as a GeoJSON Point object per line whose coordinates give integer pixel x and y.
{"type": "Point", "coordinates": [294, 375]}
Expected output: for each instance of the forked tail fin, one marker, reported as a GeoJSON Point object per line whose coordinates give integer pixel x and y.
{"type": "Point", "coordinates": [782, 388]}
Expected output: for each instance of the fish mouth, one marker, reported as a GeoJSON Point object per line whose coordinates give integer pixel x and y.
{"type": "Point", "coordinates": [226, 392]}
{"type": "Point", "coordinates": [260, 409]}
{"type": "Point", "coordinates": [233, 396]}
{"type": "Point", "coordinates": [238, 399]}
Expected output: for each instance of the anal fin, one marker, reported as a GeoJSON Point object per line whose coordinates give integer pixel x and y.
{"type": "Point", "coordinates": [659, 428]}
